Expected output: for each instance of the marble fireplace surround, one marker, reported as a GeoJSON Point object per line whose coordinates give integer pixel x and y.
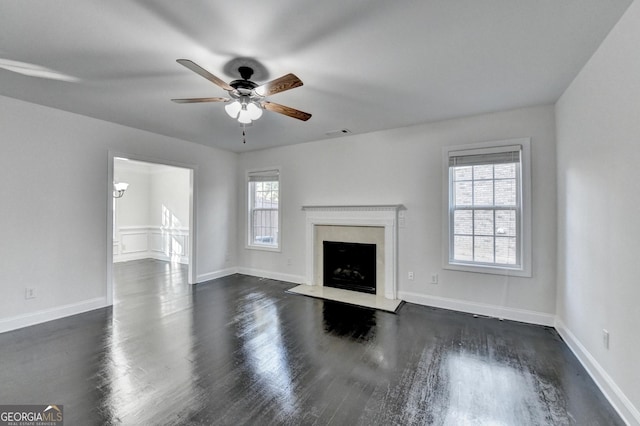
{"type": "Point", "coordinates": [379, 216]}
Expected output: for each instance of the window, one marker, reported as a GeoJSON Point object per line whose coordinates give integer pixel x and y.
{"type": "Point", "coordinates": [264, 209]}
{"type": "Point", "coordinates": [488, 208]}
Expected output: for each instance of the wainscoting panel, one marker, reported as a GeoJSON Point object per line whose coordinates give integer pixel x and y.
{"type": "Point", "coordinates": [152, 242]}
{"type": "Point", "coordinates": [134, 242]}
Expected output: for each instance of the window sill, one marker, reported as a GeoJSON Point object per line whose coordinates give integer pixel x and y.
{"type": "Point", "coordinates": [492, 270]}
{"type": "Point", "coordinates": [263, 248]}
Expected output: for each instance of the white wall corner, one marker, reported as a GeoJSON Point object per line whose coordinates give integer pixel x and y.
{"type": "Point", "coordinates": [625, 408]}
{"type": "Point", "coordinates": [45, 315]}
{"type": "Point", "coordinates": [201, 278]}
{"type": "Point", "coordinates": [502, 312]}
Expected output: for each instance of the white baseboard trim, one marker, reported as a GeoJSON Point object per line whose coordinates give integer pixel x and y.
{"type": "Point", "coordinates": [45, 315]}
{"type": "Point", "coordinates": [127, 257]}
{"type": "Point", "coordinates": [522, 315]}
{"type": "Point", "coordinates": [279, 276]}
{"type": "Point", "coordinates": [131, 256]}
{"type": "Point", "coordinates": [216, 274]}
{"type": "Point", "coordinates": [629, 413]}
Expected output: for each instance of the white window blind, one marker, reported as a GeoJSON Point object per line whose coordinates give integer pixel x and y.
{"type": "Point", "coordinates": [507, 154]}
{"type": "Point", "coordinates": [265, 176]}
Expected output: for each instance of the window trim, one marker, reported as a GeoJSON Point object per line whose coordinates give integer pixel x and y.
{"type": "Point", "coordinates": [524, 270]}
{"type": "Point", "coordinates": [248, 244]}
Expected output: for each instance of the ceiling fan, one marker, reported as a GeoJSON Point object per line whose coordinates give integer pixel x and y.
{"type": "Point", "coordinates": [246, 98]}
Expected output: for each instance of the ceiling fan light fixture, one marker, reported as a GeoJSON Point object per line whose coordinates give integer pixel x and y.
{"type": "Point", "coordinates": [245, 116]}
{"type": "Point", "coordinates": [233, 109]}
{"type": "Point", "coordinates": [255, 111]}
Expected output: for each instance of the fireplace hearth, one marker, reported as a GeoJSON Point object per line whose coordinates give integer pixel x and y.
{"type": "Point", "coordinates": [350, 266]}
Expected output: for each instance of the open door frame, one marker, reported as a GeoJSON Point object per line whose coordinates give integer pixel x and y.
{"type": "Point", "coordinates": [192, 213]}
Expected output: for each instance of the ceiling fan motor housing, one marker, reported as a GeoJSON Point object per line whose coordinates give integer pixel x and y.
{"type": "Point", "coordinates": [244, 88]}
{"type": "Point", "coordinates": [243, 84]}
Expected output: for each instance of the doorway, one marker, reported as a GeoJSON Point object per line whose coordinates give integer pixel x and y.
{"type": "Point", "coordinates": [153, 219]}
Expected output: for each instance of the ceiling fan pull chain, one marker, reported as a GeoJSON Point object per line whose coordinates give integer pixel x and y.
{"type": "Point", "coordinates": [244, 139]}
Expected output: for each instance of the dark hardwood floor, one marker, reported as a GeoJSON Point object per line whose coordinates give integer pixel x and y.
{"type": "Point", "coordinates": [240, 350]}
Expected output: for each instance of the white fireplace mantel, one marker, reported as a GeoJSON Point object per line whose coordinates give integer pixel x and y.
{"type": "Point", "coordinates": [384, 215]}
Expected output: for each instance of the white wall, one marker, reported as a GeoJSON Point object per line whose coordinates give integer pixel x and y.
{"type": "Point", "coordinates": [169, 203]}
{"type": "Point", "coordinates": [404, 166]}
{"type": "Point", "coordinates": [598, 137]}
{"type": "Point", "coordinates": [133, 208]}
{"type": "Point", "coordinates": [54, 179]}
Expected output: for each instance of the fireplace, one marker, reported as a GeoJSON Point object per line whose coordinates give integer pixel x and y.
{"type": "Point", "coordinates": [366, 224]}
{"type": "Point", "coordinates": [349, 266]}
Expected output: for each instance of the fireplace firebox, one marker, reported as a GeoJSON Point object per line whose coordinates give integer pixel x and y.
{"type": "Point", "coordinates": [350, 266]}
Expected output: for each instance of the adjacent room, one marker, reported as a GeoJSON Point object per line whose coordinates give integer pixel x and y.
{"type": "Point", "coordinates": [320, 212]}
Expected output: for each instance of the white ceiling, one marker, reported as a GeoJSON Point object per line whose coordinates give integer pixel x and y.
{"type": "Point", "coordinates": [366, 64]}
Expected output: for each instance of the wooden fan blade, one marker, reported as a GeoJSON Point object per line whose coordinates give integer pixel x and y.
{"type": "Point", "coordinates": [278, 85]}
{"type": "Point", "coordinates": [204, 73]}
{"type": "Point", "coordinates": [194, 100]}
{"type": "Point", "coordinates": [291, 112]}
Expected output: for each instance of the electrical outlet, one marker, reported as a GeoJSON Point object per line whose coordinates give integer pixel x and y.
{"type": "Point", "coordinates": [605, 338]}
{"type": "Point", "coordinates": [434, 278]}
{"type": "Point", "coordinates": [410, 275]}
{"type": "Point", "coordinates": [289, 262]}
{"type": "Point", "coordinates": [29, 293]}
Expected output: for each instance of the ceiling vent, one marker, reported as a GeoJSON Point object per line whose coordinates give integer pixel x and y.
{"type": "Point", "coordinates": [340, 132]}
